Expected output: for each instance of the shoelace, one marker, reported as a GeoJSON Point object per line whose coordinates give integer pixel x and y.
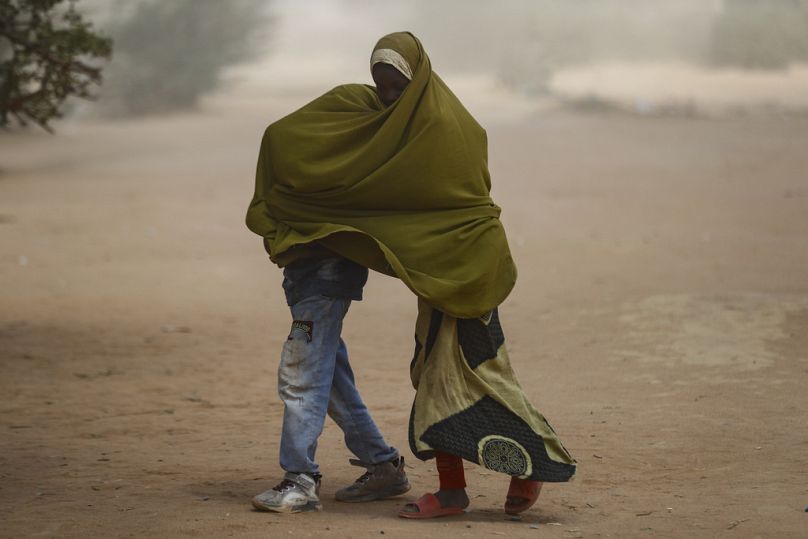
{"type": "Point", "coordinates": [365, 477]}
{"type": "Point", "coordinates": [371, 469]}
{"type": "Point", "coordinates": [283, 485]}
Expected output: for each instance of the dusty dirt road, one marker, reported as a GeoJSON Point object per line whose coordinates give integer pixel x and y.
{"type": "Point", "coordinates": [660, 322]}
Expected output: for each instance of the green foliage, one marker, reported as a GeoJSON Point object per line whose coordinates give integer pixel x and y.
{"type": "Point", "coordinates": [761, 34]}
{"type": "Point", "coordinates": [46, 55]}
{"type": "Point", "coordinates": [170, 53]}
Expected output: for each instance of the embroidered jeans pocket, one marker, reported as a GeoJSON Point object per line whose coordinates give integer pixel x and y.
{"type": "Point", "coordinates": [301, 329]}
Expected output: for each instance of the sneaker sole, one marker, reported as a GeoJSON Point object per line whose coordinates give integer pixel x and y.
{"type": "Point", "coordinates": [396, 490]}
{"type": "Point", "coordinates": [305, 508]}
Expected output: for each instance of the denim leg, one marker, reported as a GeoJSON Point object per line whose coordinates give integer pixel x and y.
{"type": "Point", "coordinates": [305, 377]}
{"type": "Point", "coordinates": [349, 412]}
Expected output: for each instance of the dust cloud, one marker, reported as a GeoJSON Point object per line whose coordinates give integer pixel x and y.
{"type": "Point", "coordinates": [506, 60]}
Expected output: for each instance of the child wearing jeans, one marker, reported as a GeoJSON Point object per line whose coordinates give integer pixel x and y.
{"type": "Point", "coordinates": [315, 379]}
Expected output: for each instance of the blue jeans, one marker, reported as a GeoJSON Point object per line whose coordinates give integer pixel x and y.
{"type": "Point", "coordinates": [314, 376]}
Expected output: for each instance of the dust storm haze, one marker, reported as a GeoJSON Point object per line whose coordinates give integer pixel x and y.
{"type": "Point", "coordinates": [649, 57]}
{"type": "Point", "coordinates": [649, 157]}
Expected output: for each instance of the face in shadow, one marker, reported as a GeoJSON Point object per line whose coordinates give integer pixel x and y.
{"type": "Point", "coordinates": [390, 83]}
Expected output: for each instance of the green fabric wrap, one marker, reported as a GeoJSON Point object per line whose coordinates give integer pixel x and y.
{"type": "Point", "coordinates": [403, 190]}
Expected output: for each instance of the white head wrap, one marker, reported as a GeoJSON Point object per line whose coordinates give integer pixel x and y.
{"type": "Point", "coordinates": [393, 58]}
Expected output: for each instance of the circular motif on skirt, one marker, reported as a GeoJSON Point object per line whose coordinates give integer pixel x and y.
{"type": "Point", "coordinates": [504, 455]}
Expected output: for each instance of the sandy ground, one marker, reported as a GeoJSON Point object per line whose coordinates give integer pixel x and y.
{"type": "Point", "coordinates": [660, 322]}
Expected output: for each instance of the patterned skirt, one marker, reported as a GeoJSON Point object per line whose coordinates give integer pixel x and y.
{"type": "Point", "coordinates": [468, 402]}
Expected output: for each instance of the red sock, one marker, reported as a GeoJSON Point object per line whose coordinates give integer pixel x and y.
{"type": "Point", "coordinates": [450, 471]}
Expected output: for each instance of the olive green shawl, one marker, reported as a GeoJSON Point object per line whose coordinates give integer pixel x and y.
{"type": "Point", "coordinates": [403, 190]}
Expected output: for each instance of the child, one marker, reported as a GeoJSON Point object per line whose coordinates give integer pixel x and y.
{"type": "Point", "coordinates": [315, 378]}
{"type": "Point", "coordinates": [395, 178]}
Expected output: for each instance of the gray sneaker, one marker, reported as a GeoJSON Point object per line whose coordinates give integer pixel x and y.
{"type": "Point", "coordinates": [295, 494]}
{"type": "Point", "coordinates": [380, 481]}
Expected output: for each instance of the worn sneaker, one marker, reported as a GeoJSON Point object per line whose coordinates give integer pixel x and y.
{"type": "Point", "coordinates": [380, 481]}
{"type": "Point", "coordinates": [295, 494]}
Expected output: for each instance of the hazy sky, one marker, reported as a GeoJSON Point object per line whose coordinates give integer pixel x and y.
{"type": "Point", "coordinates": [507, 58]}
{"type": "Point", "coordinates": [507, 55]}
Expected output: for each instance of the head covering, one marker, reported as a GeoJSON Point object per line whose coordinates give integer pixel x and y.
{"type": "Point", "coordinates": [403, 190]}
{"type": "Point", "coordinates": [391, 57]}
{"type": "Point", "coordinates": [401, 50]}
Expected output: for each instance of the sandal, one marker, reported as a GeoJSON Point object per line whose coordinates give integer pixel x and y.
{"type": "Point", "coordinates": [429, 507]}
{"type": "Point", "coordinates": [522, 494]}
